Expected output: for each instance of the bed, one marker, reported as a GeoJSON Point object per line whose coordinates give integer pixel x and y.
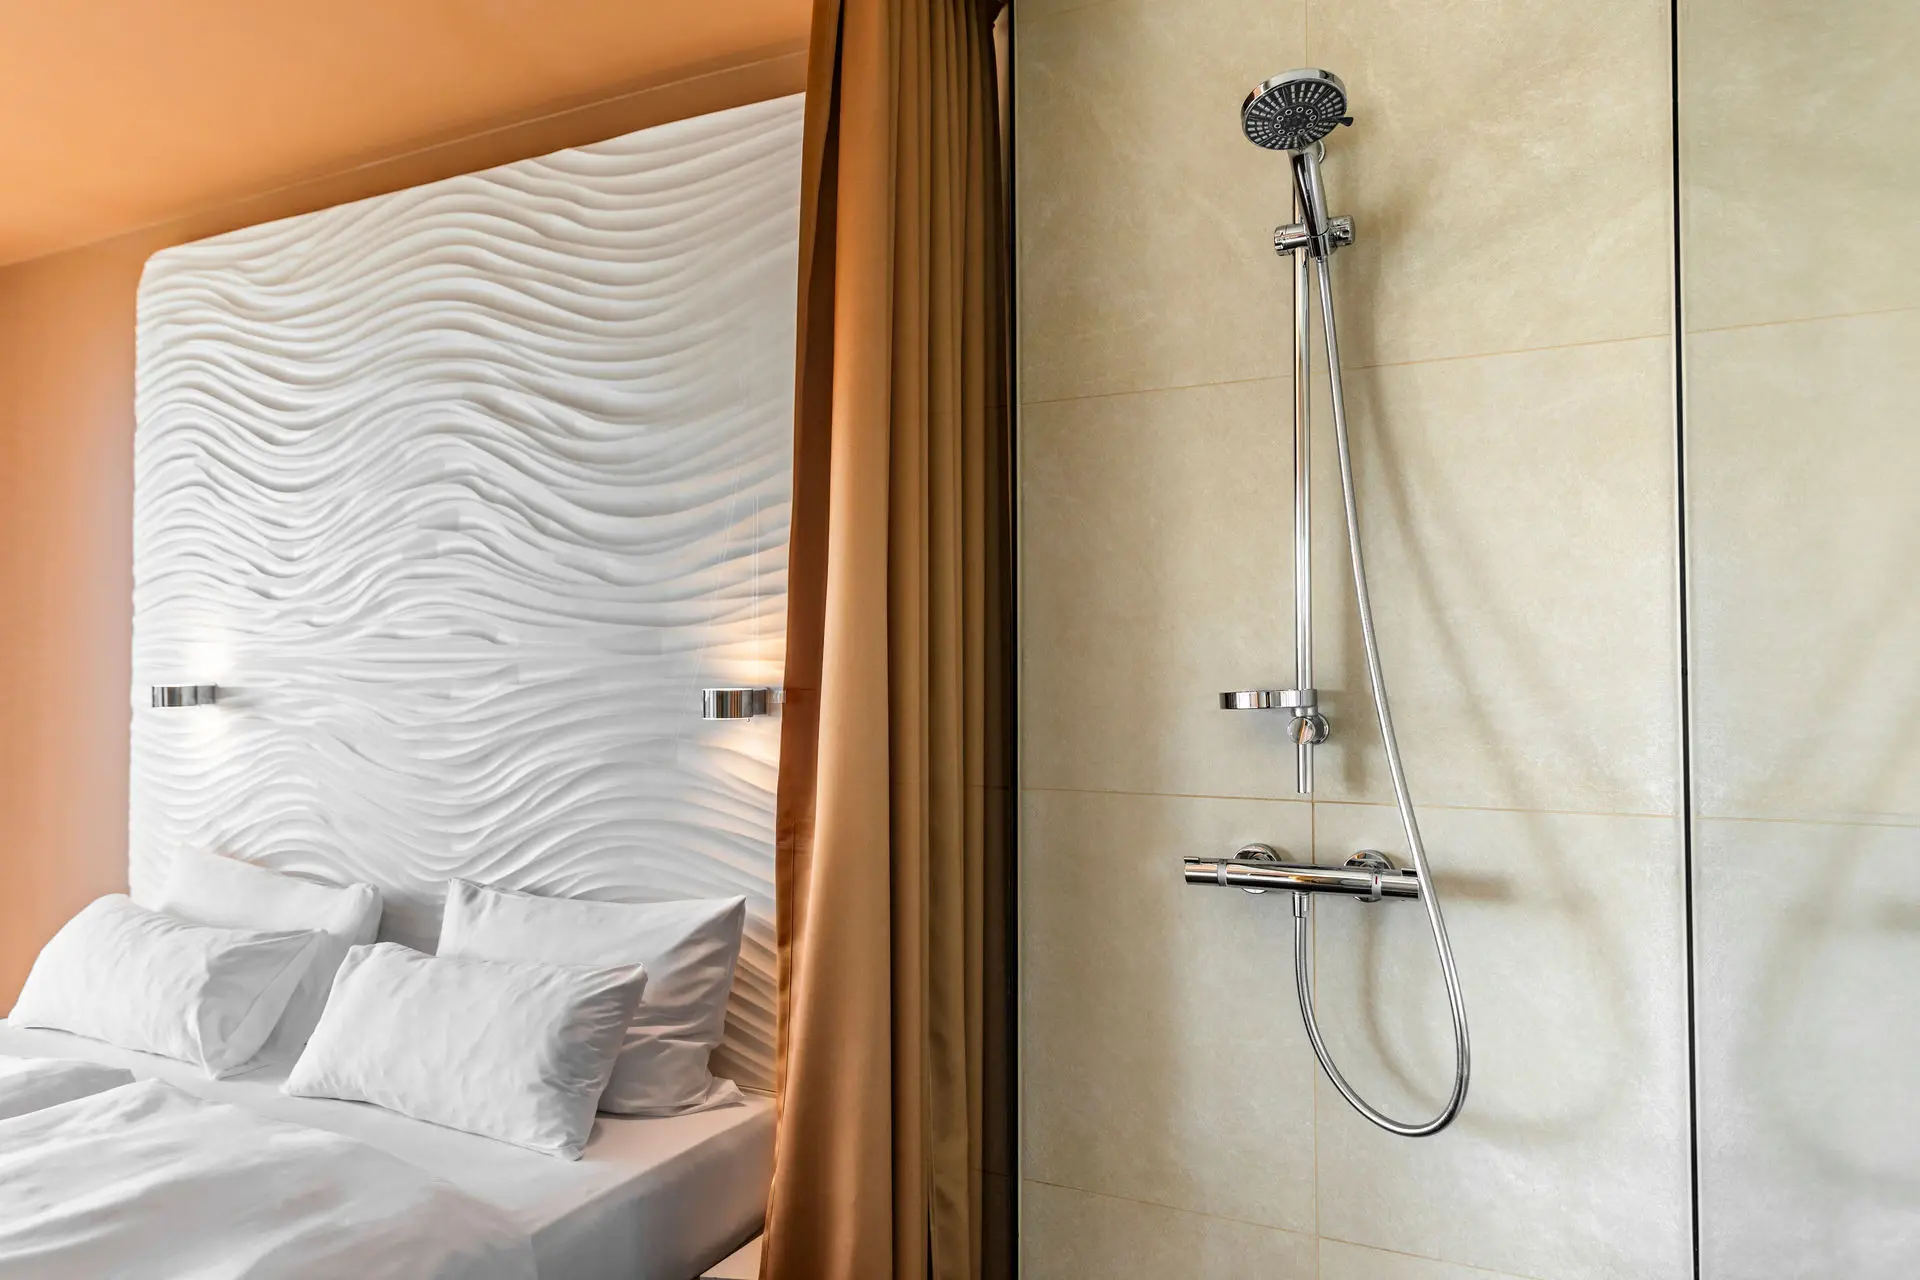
{"type": "Point", "coordinates": [652, 1199]}
{"type": "Point", "coordinates": [452, 501]}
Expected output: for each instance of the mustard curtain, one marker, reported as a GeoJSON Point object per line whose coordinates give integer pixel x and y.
{"type": "Point", "coordinates": [891, 1149]}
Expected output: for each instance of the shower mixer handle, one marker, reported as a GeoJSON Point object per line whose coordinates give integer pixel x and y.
{"type": "Point", "coordinates": [1367, 876]}
{"type": "Point", "coordinates": [1294, 237]}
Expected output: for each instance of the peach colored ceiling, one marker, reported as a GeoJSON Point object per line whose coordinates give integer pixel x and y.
{"type": "Point", "coordinates": [115, 114]}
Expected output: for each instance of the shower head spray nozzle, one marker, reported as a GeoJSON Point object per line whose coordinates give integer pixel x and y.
{"type": "Point", "coordinates": [1294, 110]}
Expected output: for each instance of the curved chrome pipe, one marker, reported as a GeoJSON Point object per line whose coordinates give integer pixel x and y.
{"type": "Point", "coordinates": [1307, 175]}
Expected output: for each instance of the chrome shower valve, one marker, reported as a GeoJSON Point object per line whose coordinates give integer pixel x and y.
{"type": "Point", "coordinates": [1256, 868]}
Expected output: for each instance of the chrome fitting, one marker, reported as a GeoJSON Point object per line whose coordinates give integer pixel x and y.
{"type": "Point", "coordinates": [1308, 729]}
{"type": "Point", "coordinates": [1302, 701]}
{"type": "Point", "coordinates": [1256, 867]}
{"type": "Point", "coordinates": [1294, 237]}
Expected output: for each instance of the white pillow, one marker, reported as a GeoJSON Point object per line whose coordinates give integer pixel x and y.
{"type": "Point", "coordinates": [688, 949]}
{"type": "Point", "coordinates": [209, 889]}
{"type": "Point", "coordinates": [518, 1052]}
{"type": "Point", "coordinates": [143, 980]}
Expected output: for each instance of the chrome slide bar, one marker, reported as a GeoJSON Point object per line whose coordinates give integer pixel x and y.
{"type": "Point", "coordinates": [1306, 725]}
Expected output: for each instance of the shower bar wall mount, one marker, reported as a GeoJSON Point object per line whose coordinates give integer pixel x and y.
{"type": "Point", "coordinates": [1294, 237]}
{"type": "Point", "coordinates": [1307, 728]}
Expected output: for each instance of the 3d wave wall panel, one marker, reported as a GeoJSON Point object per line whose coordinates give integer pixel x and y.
{"type": "Point", "coordinates": [461, 494]}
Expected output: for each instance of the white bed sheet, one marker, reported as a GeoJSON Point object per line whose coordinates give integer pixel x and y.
{"type": "Point", "coordinates": [652, 1199]}
{"type": "Point", "coordinates": [145, 1180]}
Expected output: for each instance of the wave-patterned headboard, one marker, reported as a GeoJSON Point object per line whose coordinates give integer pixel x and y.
{"type": "Point", "coordinates": [461, 494]}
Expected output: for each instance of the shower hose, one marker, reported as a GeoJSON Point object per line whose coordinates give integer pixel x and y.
{"type": "Point", "coordinates": [1429, 895]}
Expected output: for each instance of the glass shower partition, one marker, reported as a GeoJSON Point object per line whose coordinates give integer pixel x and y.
{"type": "Point", "coordinates": [1799, 149]}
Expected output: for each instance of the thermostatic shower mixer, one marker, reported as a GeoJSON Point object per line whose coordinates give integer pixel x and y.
{"type": "Point", "coordinates": [1292, 113]}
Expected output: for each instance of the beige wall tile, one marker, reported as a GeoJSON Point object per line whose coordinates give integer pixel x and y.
{"type": "Point", "coordinates": [1508, 171]}
{"type": "Point", "coordinates": [1070, 1235]}
{"type": "Point", "coordinates": [1800, 128]}
{"type": "Point", "coordinates": [1510, 176]}
{"type": "Point", "coordinates": [1145, 218]}
{"type": "Point", "coordinates": [1804, 537]}
{"type": "Point", "coordinates": [1157, 571]}
{"type": "Point", "coordinates": [1571, 1159]}
{"type": "Point", "coordinates": [1342, 1261]}
{"type": "Point", "coordinates": [1027, 10]}
{"type": "Point", "coordinates": [1807, 941]}
{"type": "Point", "coordinates": [1160, 1060]}
{"type": "Point", "coordinates": [1518, 515]}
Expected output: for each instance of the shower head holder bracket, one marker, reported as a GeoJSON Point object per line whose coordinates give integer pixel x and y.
{"type": "Point", "coordinates": [1307, 728]}
{"type": "Point", "coordinates": [1293, 237]}
{"type": "Point", "coordinates": [1296, 700]}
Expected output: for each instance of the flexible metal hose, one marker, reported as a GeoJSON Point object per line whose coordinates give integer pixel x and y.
{"type": "Point", "coordinates": [1429, 892]}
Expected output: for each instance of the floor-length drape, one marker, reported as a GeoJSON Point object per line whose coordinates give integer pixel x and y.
{"type": "Point", "coordinates": [891, 808]}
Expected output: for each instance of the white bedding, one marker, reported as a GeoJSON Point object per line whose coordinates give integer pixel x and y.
{"type": "Point", "coordinates": [30, 1084]}
{"type": "Point", "coordinates": [144, 1180]}
{"type": "Point", "coordinates": [651, 1199]}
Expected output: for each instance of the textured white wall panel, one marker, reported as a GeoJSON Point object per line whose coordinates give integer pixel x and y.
{"type": "Point", "coordinates": [461, 494]}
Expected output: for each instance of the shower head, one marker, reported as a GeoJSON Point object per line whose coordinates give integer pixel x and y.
{"type": "Point", "coordinates": [1294, 110]}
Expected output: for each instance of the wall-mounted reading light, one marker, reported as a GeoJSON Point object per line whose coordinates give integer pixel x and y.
{"type": "Point", "coordinates": [185, 695]}
{"type": "Point", "coordinates": [737, 704]}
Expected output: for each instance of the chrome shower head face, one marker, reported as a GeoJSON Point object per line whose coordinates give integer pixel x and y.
{"type": "Point", "coordinates": [1294, 110]}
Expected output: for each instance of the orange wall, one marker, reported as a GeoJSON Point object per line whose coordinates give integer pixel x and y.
{"type": "Point", "coordinates": [122, 115]}
{"type": "Point", "coordinates": [66, 498]}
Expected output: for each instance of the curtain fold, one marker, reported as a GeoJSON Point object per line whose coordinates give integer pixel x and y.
{"type": "Point", "coordinates": [891, 820]}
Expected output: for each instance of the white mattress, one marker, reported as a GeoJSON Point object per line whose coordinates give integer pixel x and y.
{"type": "Point", "coordinates": [650, 1200]}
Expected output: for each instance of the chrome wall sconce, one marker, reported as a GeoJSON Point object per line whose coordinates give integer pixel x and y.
{"type": "Point", "coordinates": [185, 695]}
{"type": "Point", "coordinates": [737, 704]}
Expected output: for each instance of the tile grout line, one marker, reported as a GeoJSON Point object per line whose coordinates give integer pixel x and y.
{"type": "Point", "coordinates": [1350, 368]}
{"type": "Point", "coordinates": [1172, 1208]}
{"type": "Point", "coordinates": [1267, 1226]}
{"type": "Point", "coordinates": [1064, 10]}
{"type": "Point", "coordinates": [1357, 804]}
{"type": "Point", "coordinates": [1513, 351]}
{"type": "Point", "coordinates": [1870, 824]}
{"type": "Point", "coordinates": [1794, 320]}
{"type": "Point", "coordinates": [1467, 355]}
{"type": "Point", "coordinates": [1425, 1257]}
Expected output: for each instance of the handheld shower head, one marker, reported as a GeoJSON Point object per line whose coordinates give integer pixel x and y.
{"type": "Point", "coordinates": [1294, 110]}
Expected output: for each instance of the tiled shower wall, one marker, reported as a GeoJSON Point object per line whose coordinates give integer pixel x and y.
{"type": "Point", "coordinates": [1800, 147]}
{"type": "Point", "coordinates": [1507, 317]}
